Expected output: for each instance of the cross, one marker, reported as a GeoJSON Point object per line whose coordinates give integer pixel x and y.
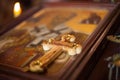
{"type": "Point", "coordinates": [54, 48]}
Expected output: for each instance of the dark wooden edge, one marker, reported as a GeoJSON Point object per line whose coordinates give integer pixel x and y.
{"type": "Point", "coordinates": [79, 4]}
{"type": "Point", "coordinates": [105, 50]}
{"type": "Point", "coordinates": [80, 59]}
{"type": "Point", "coordinates": [81, 64]}
{"type": "Point", "coordinates": [90, 41]}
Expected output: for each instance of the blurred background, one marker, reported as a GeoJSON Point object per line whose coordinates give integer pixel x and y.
{"type": "Point", "coordinates": [7, 6]}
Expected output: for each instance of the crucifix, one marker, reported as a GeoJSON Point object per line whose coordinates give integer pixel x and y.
{"type": "Point", "coordinates": [53, 49]}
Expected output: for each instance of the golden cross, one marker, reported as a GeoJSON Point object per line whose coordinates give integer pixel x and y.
{"type": "Point", "coordinates": [54, 48]}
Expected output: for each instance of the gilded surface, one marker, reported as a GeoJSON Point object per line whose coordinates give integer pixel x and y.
{"type": "Point", "coordinates": [23, 44]}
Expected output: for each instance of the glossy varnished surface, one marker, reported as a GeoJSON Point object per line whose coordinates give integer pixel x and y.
{"type": "Point", "coordinates": [101, 70]}
{"type": "Point", "coordinates": [28, 31]}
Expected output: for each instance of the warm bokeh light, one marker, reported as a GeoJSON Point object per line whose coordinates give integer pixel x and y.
{"type": "Point", "coordinates": [17, 9]}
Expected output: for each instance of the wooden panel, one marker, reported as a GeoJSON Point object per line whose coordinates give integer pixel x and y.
{"type": "Point", "coordinates": [22, 44]}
